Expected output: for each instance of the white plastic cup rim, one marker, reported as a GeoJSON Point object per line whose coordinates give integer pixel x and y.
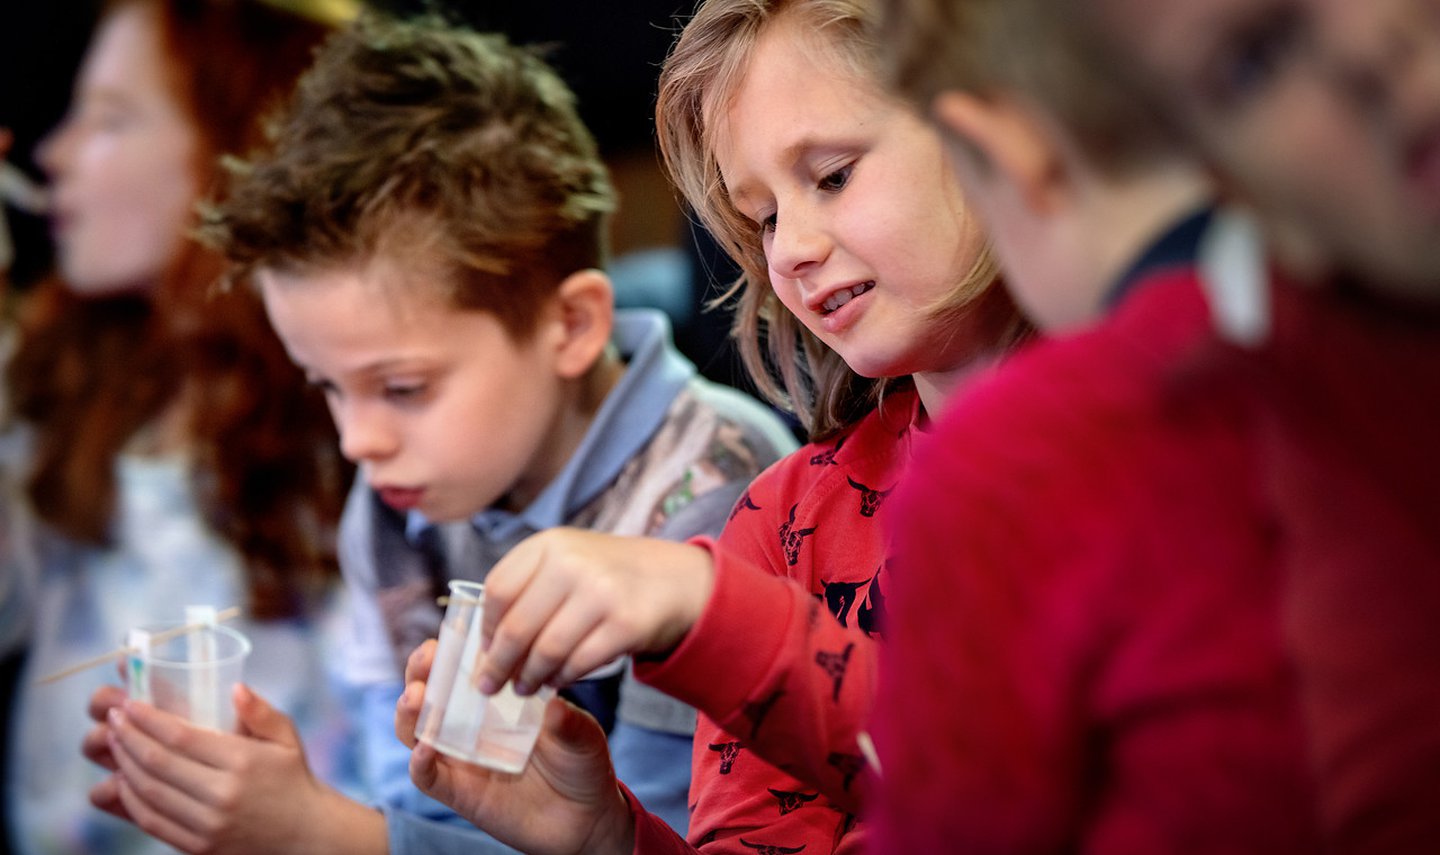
{"type": "Point", "coordinates": [461, 589]}
{"type": "Point", "coordinates": [241, 650]}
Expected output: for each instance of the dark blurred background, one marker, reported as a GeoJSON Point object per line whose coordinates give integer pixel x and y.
{"type": "Point", "coordinates": [40, 47]}
{"type": "Point", "coordinates": [609, 53]}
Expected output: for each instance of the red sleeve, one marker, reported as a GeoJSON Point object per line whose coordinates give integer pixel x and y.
{"type": "Point", "coordinates": [653, 836]}
{"type": "Point", "coordinates": [783, 690]}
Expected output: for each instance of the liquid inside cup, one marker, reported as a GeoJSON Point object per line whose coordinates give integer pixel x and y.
{"type": "Point", "coordinates": [498, 731]}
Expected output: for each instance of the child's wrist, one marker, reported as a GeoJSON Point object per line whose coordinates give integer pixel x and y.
{"type": "Point", "coordinates": [350, 827]}
{"type": "Point", "coordinates": [618, 827]}
{"type": "Point", "coordinates": [692, 583]}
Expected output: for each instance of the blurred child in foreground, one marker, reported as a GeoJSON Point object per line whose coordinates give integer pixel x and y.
{"type": "Point", "coordinates": [1317, 115]}
{"type": "Point", "coordinates": [1332, 138]}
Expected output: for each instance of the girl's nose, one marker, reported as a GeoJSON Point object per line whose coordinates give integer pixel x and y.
{"type": "Point", "coordinates": [53, 152]}
{"type": "Point", "coordinates": [798, 244]}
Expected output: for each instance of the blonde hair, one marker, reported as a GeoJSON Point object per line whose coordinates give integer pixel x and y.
{"type": "Point", "coordinates": [793, 368]}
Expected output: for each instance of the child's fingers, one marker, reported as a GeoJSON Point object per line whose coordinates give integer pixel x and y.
{"type": "Point", "coordinates": [176, 738]}
{"type": "Point", "coordinates": [106, 796]}
{"type": "Point", "coordinates": [506, 582]}
{"type": "Point", "coordinates": [407, 712]}
{"type": "Point", "coordinates": [412, 697]}
{"type": "Point", "coordinates": [96, 746]}
{"type": "Point", "coordinates": [417, 666]}
{"type": "Point", "coordinates": [160, 797]}
{"type": "Point", "coordinates": [524, 620]}
{"type": "Point", "coordinates": [103, 699]}
{"type": "Point", "coordinates": [599, 648]}
{"type": "Point", "coordinates": [553, 649]}
{"type": "Point", "coordinates": [153, 764]}
{"type": "Point", "coordinates": [424, 771]}
{"type": "Point", "coordinates": [152, 821]}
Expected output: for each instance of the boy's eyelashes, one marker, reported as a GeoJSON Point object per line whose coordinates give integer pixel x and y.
{"type": "Point", "coordinates": [395, 392]}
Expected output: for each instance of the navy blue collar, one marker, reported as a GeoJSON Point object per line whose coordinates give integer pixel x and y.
{"type": "Point", "coordinates": [1177, 246]}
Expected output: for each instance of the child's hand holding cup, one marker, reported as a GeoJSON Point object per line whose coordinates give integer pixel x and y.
{"type": "Point", "coordinates": [189, 673]}
{"type": "Point", "coordinates": [495, 731]}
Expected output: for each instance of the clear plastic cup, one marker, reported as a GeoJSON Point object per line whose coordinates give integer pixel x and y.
{"type": "Point", "coordinates": [189, 675]}
{"type": "Point", "coordinates": [496, 731]}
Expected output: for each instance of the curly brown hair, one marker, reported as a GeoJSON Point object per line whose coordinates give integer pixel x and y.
{"type": "Point", "coordinates": [425, 141]}
{"type": "Point", "coordinates": [91, 373]}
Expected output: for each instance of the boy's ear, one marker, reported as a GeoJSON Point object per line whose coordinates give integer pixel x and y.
{"type": "Point", "coordinates": [1011, 144]}
{"type": "Point", "coordinates": [587, 316]}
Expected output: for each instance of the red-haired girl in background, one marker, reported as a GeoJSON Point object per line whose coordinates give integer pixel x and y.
{"type": "Point", "coordinates": [162, 451]}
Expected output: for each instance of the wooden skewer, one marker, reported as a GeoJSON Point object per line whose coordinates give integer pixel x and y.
{"type": "Point", "coordinates": [122, 652]}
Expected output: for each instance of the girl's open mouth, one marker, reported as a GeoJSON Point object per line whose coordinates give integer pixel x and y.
{"type": "Point", "coordinates": [845, 295]}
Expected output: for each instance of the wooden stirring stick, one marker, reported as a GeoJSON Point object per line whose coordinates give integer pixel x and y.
{"type": "Point", "coordinates": [122, 652]}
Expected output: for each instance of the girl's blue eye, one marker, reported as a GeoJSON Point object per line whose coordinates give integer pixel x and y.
{"type": "Point", "coordinates": [836, 181]}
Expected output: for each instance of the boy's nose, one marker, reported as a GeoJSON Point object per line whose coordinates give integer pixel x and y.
{"type": "Point", "coordinates": [365, 439]}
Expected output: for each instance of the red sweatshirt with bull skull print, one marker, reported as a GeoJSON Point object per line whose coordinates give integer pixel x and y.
{"type": "Point", "coordinates": [781, 665]}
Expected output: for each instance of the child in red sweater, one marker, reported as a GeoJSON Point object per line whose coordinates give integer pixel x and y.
{"type": "Point", "coordinates": [877, 298]}
{"type": "Point", "coordinates": [1333, 138]}
{"type": "Point", "coordinates": [1258, 624]}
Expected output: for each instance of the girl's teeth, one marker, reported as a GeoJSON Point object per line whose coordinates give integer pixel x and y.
{"type": "Point", "coordinates": [840, 298]}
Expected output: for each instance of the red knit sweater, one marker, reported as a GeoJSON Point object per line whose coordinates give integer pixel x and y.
{"type": "Point", "coordinates": [1350, 416]}
{"type": "Point", "coordinates": [1085, 651]}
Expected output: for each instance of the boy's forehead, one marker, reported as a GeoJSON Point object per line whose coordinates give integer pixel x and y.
{"type": "Point", "coordinates": [393, 284]}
